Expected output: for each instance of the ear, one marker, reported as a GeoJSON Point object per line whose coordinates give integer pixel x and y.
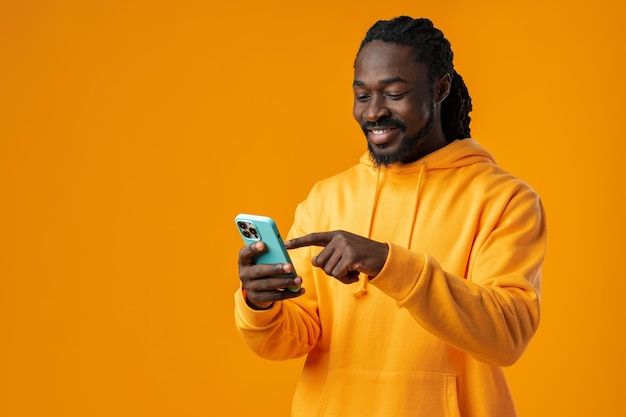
{"type": "Point", "coordinates": [442, 88]}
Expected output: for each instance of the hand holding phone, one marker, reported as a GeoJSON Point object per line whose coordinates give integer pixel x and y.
{"type": "Point", "coordinates": [253, 228]}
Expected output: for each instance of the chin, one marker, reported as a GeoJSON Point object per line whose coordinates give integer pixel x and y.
{"type": "Point", "coordinates": [383, 157]}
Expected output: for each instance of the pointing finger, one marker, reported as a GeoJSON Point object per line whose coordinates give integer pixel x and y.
{"type": "Point", "coordinates": [313, 239]}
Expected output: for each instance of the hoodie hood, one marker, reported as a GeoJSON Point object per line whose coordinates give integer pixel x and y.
{"type": "Point", "coordinates": [458, 153]}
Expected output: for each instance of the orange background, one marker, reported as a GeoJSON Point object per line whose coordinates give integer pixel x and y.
{"type": "Point", "coordinates": [131, 133]}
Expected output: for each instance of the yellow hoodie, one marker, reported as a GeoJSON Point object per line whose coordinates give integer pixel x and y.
{"type": "Point", "coordinates": [457, 298]}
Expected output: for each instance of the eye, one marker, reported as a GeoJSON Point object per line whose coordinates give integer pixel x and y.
{"type": "Point", "coordinates": [392, 96]}
{"type": "Point", "coordinates": [361, 98]}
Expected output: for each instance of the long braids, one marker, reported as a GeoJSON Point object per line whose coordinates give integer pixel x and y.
{"type": "Point", "coordinates": [433, 49]}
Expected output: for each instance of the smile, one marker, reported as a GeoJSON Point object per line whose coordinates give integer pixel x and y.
{"type": "Point", "coordinates": [381, 131]}
{"type": "Point", "coordinates": [383, 136]}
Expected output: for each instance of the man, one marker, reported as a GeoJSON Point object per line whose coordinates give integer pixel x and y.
{"type": "Point", "coordinates": [420, 265]}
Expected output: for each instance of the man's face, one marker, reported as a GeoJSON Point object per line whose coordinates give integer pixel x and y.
{"type": "Point", "coordinates": [393, 103]}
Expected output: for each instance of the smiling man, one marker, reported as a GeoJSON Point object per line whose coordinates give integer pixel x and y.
{"type": "Point", "coordinates": [420, 266]}
{"type": "Point", "coordinates": [397, 104]}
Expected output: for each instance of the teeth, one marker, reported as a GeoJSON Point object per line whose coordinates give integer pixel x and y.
{"type": "Point", "coordinates": [380, 131]}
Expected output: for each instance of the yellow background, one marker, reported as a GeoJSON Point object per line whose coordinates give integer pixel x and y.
{"type": "Point", "coordinates": [131, 133]}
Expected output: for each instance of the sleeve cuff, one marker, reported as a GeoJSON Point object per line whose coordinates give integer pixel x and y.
{"type": "Point", "coordinates": [401, 272]}
{"type": "Point", "coordinates": [250, 318]}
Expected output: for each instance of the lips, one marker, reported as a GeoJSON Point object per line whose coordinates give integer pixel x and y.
{"type": "Point", "coordinates": [383, 131]}
{"type": "Point", "coordinates": [381, 136]}
{"type": "Point", "coordinates": [380, 131]}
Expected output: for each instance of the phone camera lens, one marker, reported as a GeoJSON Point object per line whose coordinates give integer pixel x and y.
{"type": "Point", "coordinates": [254, 232]}
{"type": "Point", "coordinates": [247, 234]}
{"type": "Point", "coordinates": [242, 225]}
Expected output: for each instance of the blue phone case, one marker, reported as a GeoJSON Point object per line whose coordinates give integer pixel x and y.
{"type": "Point", "coordinates": [253, 228]}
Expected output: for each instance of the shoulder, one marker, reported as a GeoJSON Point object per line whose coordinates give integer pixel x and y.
{"type": "Point", "coordinates": [347, 179]}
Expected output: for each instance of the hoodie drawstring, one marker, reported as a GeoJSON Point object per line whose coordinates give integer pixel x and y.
{"type": "Point", "coordinates": [363, 279]}
{"type": "Point", "coordinates": [418, 192]}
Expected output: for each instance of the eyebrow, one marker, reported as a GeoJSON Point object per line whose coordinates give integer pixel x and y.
{"type": "Point", "coordinates": [359, 83]}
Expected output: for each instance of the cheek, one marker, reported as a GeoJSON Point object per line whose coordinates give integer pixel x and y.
{"type": "Point", "coordinates": [417, 114]}
{"type": "Point", "coordinates": [357, 111]}
{"type": "Point", "coordinates": [414, 118]}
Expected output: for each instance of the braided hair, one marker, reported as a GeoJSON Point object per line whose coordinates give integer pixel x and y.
{"type": "Point", "coordinates": [433, 49]}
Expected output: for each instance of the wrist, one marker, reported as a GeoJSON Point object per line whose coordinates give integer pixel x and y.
{"type": "Point", "coordinates": [255, 306]}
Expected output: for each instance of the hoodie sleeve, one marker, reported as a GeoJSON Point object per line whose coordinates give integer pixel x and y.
{"type": "Point", "coordinates": [493, 312]}
{"type": "Point", "coordinates": [285, 331]}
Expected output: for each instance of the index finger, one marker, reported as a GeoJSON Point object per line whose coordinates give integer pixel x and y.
{"type": "Point", "coordinates": [312, 239]}
{"type": "Point", "coordinates": [247, 253]}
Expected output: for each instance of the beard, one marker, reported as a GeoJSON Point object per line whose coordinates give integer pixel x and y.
{"type": "Point", "coordinates": [409, 149]}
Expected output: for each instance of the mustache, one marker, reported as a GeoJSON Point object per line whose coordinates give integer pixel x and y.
{"type": "Point", "coordinates": [382, 123]}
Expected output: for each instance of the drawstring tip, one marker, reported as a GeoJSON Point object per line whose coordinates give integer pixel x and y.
{"type": "Point", "coordinates": [363, 290]}
{"type": "Point", "coordinates": [359, 293]}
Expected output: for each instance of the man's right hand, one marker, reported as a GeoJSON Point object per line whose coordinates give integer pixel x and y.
{"type": "Point", "coordinates": [260, 282]}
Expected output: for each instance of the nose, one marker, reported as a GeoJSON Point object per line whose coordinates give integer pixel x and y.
{"type": "Point", "coordinates": [375, 109]}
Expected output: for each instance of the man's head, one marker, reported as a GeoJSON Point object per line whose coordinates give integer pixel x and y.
{"type": "Point", "coordinates": [405, 81]}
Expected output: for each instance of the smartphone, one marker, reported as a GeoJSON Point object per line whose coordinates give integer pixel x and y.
{"type": "Point", "coordinates": [253, 228]}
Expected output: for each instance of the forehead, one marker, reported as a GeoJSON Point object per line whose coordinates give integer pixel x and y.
{"type": "Point", "coordinates": [384, 60]}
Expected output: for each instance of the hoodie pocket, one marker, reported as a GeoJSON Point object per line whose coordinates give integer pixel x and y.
{"type": "Point", "coordinates": [393, 394]}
